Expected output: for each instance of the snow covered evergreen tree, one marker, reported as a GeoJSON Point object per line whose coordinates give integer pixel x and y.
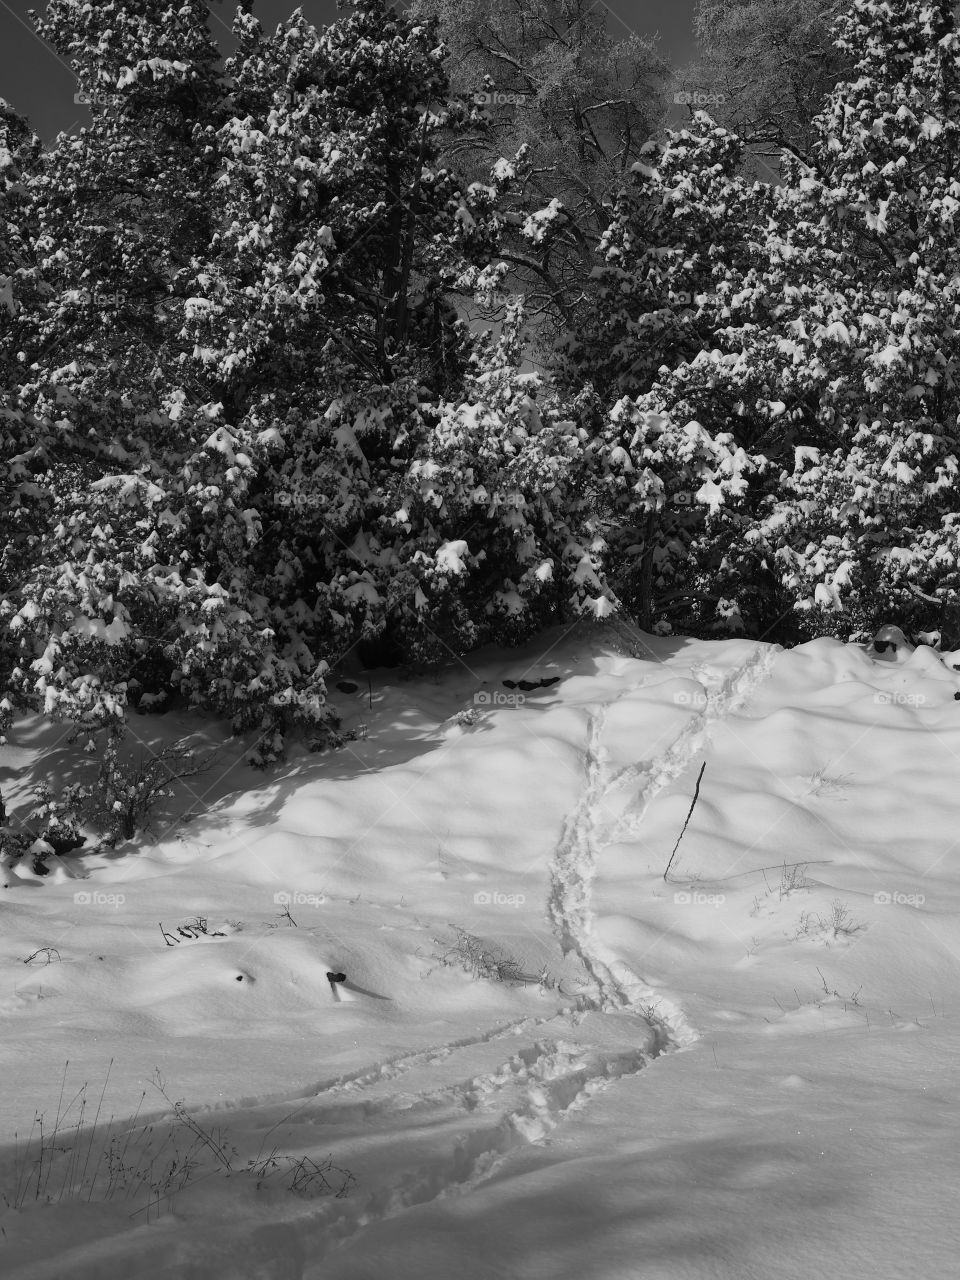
{"type": "Point", "coordinates": [240, 357]}
{"type": "Point", "coordinates": [678, 229]}
{"type": "Point", "coordinates": [228, 271]}
{"type": "Point", "coordinates": [19, 444]}
{"type": "Point", "coordinates": [498, 517]}
{"type": "Point", "coordinates": [859, 298]}
{"type": "Point", "coordinates": [829, 350]}
{"type": "Point", "coordinates": [119, 214]}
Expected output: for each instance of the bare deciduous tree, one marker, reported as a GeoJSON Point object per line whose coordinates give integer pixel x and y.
{"type": "Point", "coordinates": [577, 101]}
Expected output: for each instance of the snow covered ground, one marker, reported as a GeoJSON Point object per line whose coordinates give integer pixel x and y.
{"type": "Point", "coordinates": [545, 1060]}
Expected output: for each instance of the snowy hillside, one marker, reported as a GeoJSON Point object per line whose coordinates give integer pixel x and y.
{"type": "Point", "coordinates": [543, 1060]}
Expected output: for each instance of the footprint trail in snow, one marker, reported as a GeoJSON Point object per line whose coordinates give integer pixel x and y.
{"type": "Point", "coordinates": [558, 1062]}
{"type": "Point", "coordinates": [584, 836]}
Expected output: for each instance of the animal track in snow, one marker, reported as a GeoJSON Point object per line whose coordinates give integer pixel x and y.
{"type": "Point", "coordinates": [575, 860]}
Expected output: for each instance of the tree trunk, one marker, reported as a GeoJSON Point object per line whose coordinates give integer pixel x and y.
{"type": "Point", "coordinates": [646, 573]}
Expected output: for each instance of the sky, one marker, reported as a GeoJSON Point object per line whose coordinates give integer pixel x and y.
{"type": "Point", "coordinates": [38, 83]}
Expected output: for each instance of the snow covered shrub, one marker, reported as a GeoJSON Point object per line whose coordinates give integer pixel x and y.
{"type": "Point", "coordinates": [117, 802]}
{"type": "Point", "coordinates": [665, 486]}
{"type": "Point", "coordinates": [215, 400]}
{"type": "Point", "coordinates": [127, 790]}
{"type": "Point", "coordinates": [222, 644]}
{"type": "Point", "coordinates": [436, 526]}
{"type": "Point", "coordinates": [678, 471]}
{"type": "Point", "coordinates": [51, 827]}
{"type": "Point", "coordinates": [829, 333]}
{"type": "Point", "coordinates": [15, 845]}
{"type": "Point", "coordinates": [494, 516]}
{"type": "Point", "coordinates": [66, 616]}
{"type": "Point", "coordinates": [880, 207]}
{"type": "Point", "coordinates": [129, 579]}
{"type": "Point", "coordinates": [57, 822]}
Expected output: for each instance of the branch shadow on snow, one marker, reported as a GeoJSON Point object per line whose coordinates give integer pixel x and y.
{"type": "Point", "coordinates": [396, 720]}
{"type": "Point", "coordinates": [683, 1205]}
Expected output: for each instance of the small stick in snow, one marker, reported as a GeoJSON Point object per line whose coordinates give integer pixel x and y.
{"type": "Point", "coordinates": [696, 796]}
